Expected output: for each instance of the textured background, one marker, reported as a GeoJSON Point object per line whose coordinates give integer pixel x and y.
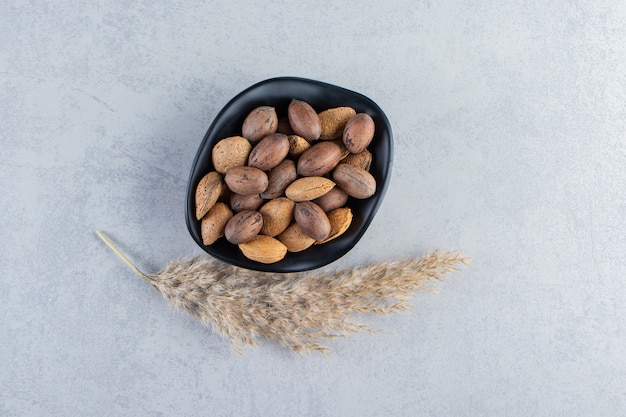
{"type": "Point", "coordinates": [509, 121]}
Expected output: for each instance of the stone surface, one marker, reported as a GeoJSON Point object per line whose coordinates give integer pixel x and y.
{"type": "Point", "coordinates": [509, 124]}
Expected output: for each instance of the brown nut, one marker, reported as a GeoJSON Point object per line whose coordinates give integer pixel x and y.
{"type": "Point", "coordinates": [283, 126]}
{"type": "Point", "coordinates": [334, 120]}
{"type": "Point", "coordinates": [239, 202]}
{"type": "Point", "coordinates": [297, 145]}
{"type": "Point", "coordinates": [277, 215]}
{"type": "Point", "coordinates": [333, 199]}
{"type": "Point", "coordinates": [243, 226]}
{"type": "Point", "coordinates": [319, 159]}
{"type": "Point", "coordinates": [259, 123]}
{"type": "Point", "coordinates": [340, 220]}
{"type": "Point", "coordinates": [355, 181]}
{"type": "Point", "coordinates": [295, 239]}
{"type": "Point", "coordinates": [362, 159]}
{"type": "Point", "coordinates": [264, 249]}
{"type": "Point", "coordinates": [230, 152]}
{"type": "Point", "coordinates": [312, 220]}
{"type": "Point", "coordinates": [359, 132]}
{"type": "Point", "coordinates": [269, 152]}
{"type": "Point", "coordinates": [207, 192]}
{"type": "Point", "coordinates": [246, 180]}
{"type": "Point", "coordinates": [279, 178]}
{"type": "Point", "coordinates": [304, 120]}
{"type": "Point", "coordinates": [308, 188]}
{"type": "Point", "coordinates": [214, 222]}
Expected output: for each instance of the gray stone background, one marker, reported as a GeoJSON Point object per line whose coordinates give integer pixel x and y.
{"type": "Point", "coordinates": [509, 120]}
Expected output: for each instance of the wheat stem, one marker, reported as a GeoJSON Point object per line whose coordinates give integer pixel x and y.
{"type": "Point", "coordinates": [132, 266]}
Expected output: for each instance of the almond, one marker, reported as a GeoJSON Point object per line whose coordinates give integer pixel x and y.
{"type": "Point", "coordinates": [246, 180]}
{"type": "Point", "coordinates": [355, 181]}
{"type": "Point", "coordinates": [239, 202]}
{"type": "Point", "coordinates": [243, 226]}
{"type": "Point", "coordinates": [207, 192]}
{"type": "Point", "coordinates": [304, 120]}
{"type": "Point", "coordinates": [334, 120]}
{"type": "Point", "coordinates": [297, 145]}
{"type": "Point", "coordinates": [295, 239]}
{"type": "Point", "coordinates": [264, 249]}
{"type": "Point", "coordinates": [319, 159]}
{"type": "Point", "coordinates": [362, 159]}
{"type": "Point", "coordinates": [269, 152]}
{"type": "Point", "coordinates": [333, 199]}
{"type": "Point", "coordinates": [340, 220]}
{"type": "Point", "coordinates": [214, 222]}
{"type": "Point", "coordinates": [277, 215]}
{"type": "Point", "coordinates": [308, 188]}
{"type": "Point", "coordinates": [259, 123]}
{"type": "Point", "coordinates": [312, 220]}
{"type": "Point", "coordinates": [230, 152]}
{"type": "Point", "coordinates": [279, 178]}
{"type": "Point", "coordinates": [359, 132]}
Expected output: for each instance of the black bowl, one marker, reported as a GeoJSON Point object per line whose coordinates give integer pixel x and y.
{"type": "Point", "coordinates": [278, 92]}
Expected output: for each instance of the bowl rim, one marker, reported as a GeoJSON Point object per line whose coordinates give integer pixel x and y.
{"type": "Point", "coordinates": [382, 188]}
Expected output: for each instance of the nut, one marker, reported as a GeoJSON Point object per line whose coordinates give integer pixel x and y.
{"type": "Point", "coordinates": [207, 192]}
{"type": "Point", "coordinates": [359, 132]}
{"type": "Point", "coordinates": [264, 249]}
{"type": "Point", "coordinates": [308, 188]}
{"type": "Point", "coordinates": [362, 159]}
{"type": "Point", "coordinates": [297, 145]}
{"type": "Point", "coordinates": [239, 202]}
{"type": "Point", "coordinates": [277, 215]}
{"type": "Point", "coordinates": [269, 152]}
{"type": "Point", "coordinates": [295, 239]}
{"type": "Point", "coordinates": [340, 220]}
{"type": "Point", "coordinates": [259, 123]}
{"type": "Point", "coordinates": [319, 159]}
{"type": "Point", "coordinates": [333, 199]}
{"type": "Point", "coordinates": [243, 226]}
{"type": "Point", "coordinates": [214, 222]}
{"type": "Point", "coordinates": [230, 152]}
{"type": "Point", "coordinates": [334, 120]}
{"type": "Point", "coordinates": [312, 220]}
{"type": "Point", "coordinates": [246, 180]}
{"type": "Point", "coordinates": [279, 178]}
{"type": "Point", "coordinates": [304, 120]}
{"type": "Point", "coordinates": [355, 181]}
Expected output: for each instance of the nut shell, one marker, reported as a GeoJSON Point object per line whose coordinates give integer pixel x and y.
{"type": "Point", "coordinates": [230, 152]}
{"type": "Point", "coordinates": [359, 132]}
{"type": "Point", "coordinates": [340, 220]}
{"type": "Point", "coordinates": [334, 120]}
{"type": "Point", "coordinates": [277, 215]}
{"type": "Point", "coordinates": [355, 181]}
{"type": "Point", "coordinates": [246, 180]}
{"type": "Point", "coordinates": [214, 222]}
{"type": "Point", "coordinates": [308, 188]}
{"type": "Point", "coordinates": [312, 220]}
{"type": "Point", "coordinates": [319, 159]}
{"type": "Point", "coordinates": [243, 226]}
{"type": "Point", "coordinates": [333, 199]}
{"type": "Point", "coordinates": [362, 159]}
{"type": "Point", "coordinates": [260, 122]}
{"type": "Point", "coordinates": [264, 249]}
{"type": "Point", "coordinates": [304, 120]}
{"type": "Point", "coordinates": [239, 202]}
{"type": "Point", "coordinates": [279, 178]}
{"type": "Point", "coordinates": [269, 152]}
{"type": "Point", "coordinates": [297, 145]}
{"type": "Point", "coordinates": [295, 239]}
{"type": "Point", "coordinates": [208, 191]}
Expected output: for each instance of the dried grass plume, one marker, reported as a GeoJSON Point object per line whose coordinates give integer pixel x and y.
{"type": "Point", "coordinates": [297, 310]}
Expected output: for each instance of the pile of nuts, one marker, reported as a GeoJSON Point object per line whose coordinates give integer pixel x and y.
{"type": "Point", "coordinates": [282, 186]}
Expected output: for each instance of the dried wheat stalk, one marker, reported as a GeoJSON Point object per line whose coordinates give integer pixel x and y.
{"type": "Point", "coordinates": [297, 310]}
